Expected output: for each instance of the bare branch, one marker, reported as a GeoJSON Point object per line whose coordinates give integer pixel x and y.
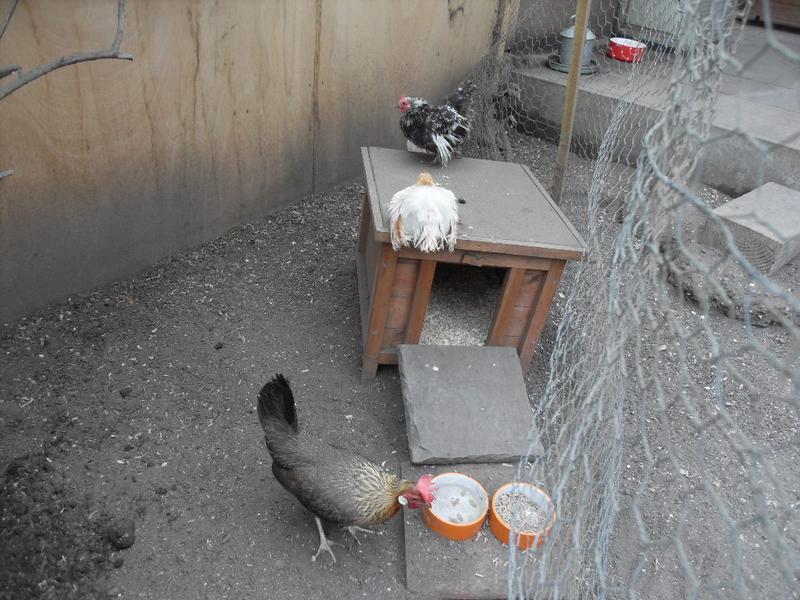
{"type": "Point", "coordinates": [120, 26]}
{"type": "Point", "coordinates": [6, 71]}
{"type": "Point", "coordinates": [6, 173]}
{"type": "Point", "coordinates": [72, 59]}
{"type": "Point", "coordinates": [7, 18]}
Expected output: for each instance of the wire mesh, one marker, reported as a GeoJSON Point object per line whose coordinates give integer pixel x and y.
{"type": "Point", "coordinates": [669, 420]}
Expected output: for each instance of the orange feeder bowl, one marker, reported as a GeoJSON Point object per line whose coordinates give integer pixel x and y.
{"type": "Point", "coordinates": [459, 509]}
{"type": "Point", "coordinates": [501, 528]}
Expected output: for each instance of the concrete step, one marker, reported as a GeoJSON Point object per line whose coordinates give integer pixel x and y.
{"type": "Point", "coordinates": [767, 112]}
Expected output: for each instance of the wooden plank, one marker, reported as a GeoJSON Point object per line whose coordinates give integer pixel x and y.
{"type": "Point", "coordinates": [372, 190]}
{"type": "Point", "coordinates": [405, 278]}
{"type": "Point", "coordinates": [782, 12]}
{"type": "Point", "coordinates": [570, 97]}
{"type": "Point", "coordinates": [378, 311]}
{"type": "Point", "coordinates": [567, 223]}
{"type": "Point", "coordinates": [506, 16]}
{"type": "Point", "coordinates": [388, 357]}
{"type": "Point", "coordinates": [480, 259]}
{"type": "Point", "coordinates": [539, 314]}
{"type": "Point", "coordinates": [365, 225]}
{"type": "Point", "coordinates": [518, 319]}
{"type": "Point", "coordinates": [503, 315]}
{"type": "Point", "coordinates": [500, 246]}
{"type": "Point", "coordinates": [503, 211]}
{"type": "Point", "coordinates": [419, 305]}
{"type": "Point", "coordinates": [531, 285]}
{"type": "Point", "coordinates": [392, 337]}
{"type": "Point", "coordinates": [363, 296]}
{"type": "Point", "coordinates": [372, 256]}
{"type": "Point", "coordinates": [397, 314]}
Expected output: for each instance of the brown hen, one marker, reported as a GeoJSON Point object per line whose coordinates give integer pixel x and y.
{"type": "Point", "coordinates": [334, 483]}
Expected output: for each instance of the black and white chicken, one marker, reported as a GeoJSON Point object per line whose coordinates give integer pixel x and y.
{"type": "Point", "coordinates": [438, 130]}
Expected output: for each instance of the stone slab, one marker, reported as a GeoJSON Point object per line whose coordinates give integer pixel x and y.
{"type": "Point", "coordinates": [441, 568]}
{"type": "Point", "coordinates": [464, 404]}
{"type": "Point", "coordinates": [765, 224]}
{"type": "Point", "coordinates": [729, 163]}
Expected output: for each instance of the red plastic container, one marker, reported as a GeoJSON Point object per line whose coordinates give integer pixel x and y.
{"type": "Point", "coordinates": [626, 50]}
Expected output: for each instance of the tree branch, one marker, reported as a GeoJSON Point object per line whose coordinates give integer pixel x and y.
{"type": "Point", "coordinates": [7, 18]}
{"type": "Point", "coordinates": [71, 59]}
{"type": "Point", "coordinates": [120, 27]}
{"type": "Point", "coordinates": [6, 71]}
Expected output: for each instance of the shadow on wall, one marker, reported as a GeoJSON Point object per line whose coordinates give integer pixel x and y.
{"type": "Point", "coordinates": [228, 112]}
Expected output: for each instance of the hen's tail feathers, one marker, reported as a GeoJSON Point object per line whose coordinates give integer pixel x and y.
{"type": "Point", "coordinates": [398, 234]}
{"type": "Point", "coordinates": [428, 239]}
{"type": "Point", "coordinates": [461, 99]}
{"type": "Point", "coordinates": [276, 403]}
{"type": "Point", "coordinates": [451, 237]}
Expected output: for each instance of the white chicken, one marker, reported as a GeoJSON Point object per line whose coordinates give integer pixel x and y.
{"type": "Point", "coordinates": [424, 215]}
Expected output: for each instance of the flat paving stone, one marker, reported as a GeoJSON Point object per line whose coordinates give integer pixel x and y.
{"type": "Point", "coordinates": [765, 224]}
{"type": "Point", "coordinates": [440, 568]}
{"type": "Point", "coordinates": [464, 404]}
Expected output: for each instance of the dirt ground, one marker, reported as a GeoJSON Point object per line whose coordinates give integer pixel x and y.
{"type": "Point", "coordinates": [135, 403]}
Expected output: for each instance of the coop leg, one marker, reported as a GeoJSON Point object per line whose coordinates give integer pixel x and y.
{"type": "Point", "coordinates": [379, 309]}
{"type": "Point", "coordinates": [369, 368]}
{"type": "Point", "coordinates": [539, 312]}
{"type": "Point", "coordinates": [419, 302]}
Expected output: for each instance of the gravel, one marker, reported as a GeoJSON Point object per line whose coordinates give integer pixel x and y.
{"type": "Point", "coordinates": [529, 515]}
{"type": "Point", "coordinates": [462, 303]}
{"type": "Point", "coordinates": [149, 382]}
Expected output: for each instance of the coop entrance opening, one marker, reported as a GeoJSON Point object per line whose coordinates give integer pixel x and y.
{"type": "Point", "coordinates": [462, 304]}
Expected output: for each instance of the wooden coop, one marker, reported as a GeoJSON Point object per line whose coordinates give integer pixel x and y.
{"type": "Point", "coordinates": [507, 220]}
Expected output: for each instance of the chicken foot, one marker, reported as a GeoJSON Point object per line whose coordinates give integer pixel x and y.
{"type": "Point", "coordinates": [324, 543]}
{"type": "Point", "coordinates": [353, 529]}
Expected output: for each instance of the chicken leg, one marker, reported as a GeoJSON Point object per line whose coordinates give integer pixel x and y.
{"type": "Point", "coordinates": [324, 544]}
{"type": "Point", "coordinates": [353, 529]}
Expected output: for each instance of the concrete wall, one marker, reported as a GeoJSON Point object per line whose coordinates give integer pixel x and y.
{"type": "Point", "coordinates": [540, 21]}
{"type": "Point", "coordinates": [229, 111]}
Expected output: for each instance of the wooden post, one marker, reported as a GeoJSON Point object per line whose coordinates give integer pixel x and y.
{"type": "Point", "coordinates": [419, 303]}
{"type": "Point", "coordinates": [508, 298]}
{"type": "Point", "coordinates": [539, 312]}
{"type": "Point", "coordinates": [379, 308]}
{"type": "Point", "coordinates": [571, 97]}
{"type": "Point", "coordinates": [506, 15]}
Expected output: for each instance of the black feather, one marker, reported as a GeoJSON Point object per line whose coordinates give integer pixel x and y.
{"type": "Point", "coordinates": [276, 402]}
{"type": "Point", "coordinates": [461, 99]}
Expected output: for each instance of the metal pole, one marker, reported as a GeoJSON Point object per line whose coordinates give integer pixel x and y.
{"type": "Point", "coordinates": [571, 96]}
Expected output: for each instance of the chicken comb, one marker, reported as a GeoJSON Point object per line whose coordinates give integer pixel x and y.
{"type": "Point", "coordinates": [426, 487]}
{"type": "Point", "coordinates": [425, 179]}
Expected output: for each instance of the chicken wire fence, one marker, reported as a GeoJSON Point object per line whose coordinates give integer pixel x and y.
{"type": "Point", "coordinates": [670, 417]}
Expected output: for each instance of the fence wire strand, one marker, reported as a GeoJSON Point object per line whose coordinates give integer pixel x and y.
{"type": "Point", "coordinates": [669, 419]}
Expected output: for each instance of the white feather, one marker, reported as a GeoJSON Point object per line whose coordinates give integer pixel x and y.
{"type": "Point", "coordinates": [411, 147]}
{"type": "Point", "coordinates": [428, 218]}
